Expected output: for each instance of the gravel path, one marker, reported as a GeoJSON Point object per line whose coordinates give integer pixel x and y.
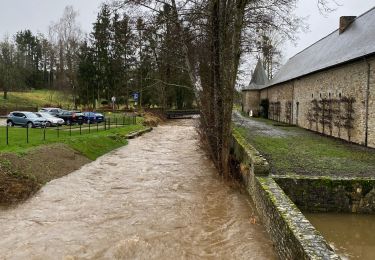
{"type": "Point", "coordinates": [260, 128]}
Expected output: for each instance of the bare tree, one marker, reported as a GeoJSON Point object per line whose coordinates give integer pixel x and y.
{"type": "Point", "coordinates": [8, 66]}
{"type": "Point", "coordinates": [67, 36]}
{"type": "Point", "coordinates": [212, 36]}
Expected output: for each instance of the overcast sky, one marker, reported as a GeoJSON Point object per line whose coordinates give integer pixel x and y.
{"type": "Point", "coordinates": [321, 26]}
{"type": "Point", "coordinates": [36, 15]}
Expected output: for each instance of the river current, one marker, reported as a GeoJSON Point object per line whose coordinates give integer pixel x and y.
{"type": "Point", "coordinates": [159, 197]}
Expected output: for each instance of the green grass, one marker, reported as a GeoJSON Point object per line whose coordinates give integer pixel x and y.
{"type": "Point", "coordinates": [308, 153]}
{"type": "Point", "coordinates": [95, 145]}
{"type": "Point", "coordinates": [92, 145]}
{"type": "Point", "coordinates": [21, 175]}
{"type": "Point", "coordinates": [37, 98]}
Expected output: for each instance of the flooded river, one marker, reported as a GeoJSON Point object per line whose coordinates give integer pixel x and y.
{"type": "Point", "coordinates": [351, 235]}
{"type": "Point", "coordinates": [157, 198]}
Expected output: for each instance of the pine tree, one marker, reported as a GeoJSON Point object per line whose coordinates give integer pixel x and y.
{"type": "Point", "coordinates": [102, 44]}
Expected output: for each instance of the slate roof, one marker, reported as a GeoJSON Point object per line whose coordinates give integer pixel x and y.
{"type": "Point", "coordinates": [259, 78]}
{"type": "Point", "coordinates": [356, 41]}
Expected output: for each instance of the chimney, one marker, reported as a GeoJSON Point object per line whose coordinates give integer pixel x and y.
{"type": "Point", "coordinates": [345, 21]}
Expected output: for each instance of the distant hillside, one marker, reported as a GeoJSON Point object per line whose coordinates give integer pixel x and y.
{"type": "Point", "coordinates": [36, 98]}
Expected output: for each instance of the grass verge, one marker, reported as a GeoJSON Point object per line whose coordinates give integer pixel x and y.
{"type": "Point", "coordinates": [24, 168]}
{"type": "Point", "coordinates": [100, 140]}
{"type": "Point", "coordinates": [304, 152]}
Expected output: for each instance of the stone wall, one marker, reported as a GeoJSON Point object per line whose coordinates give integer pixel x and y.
{"type": "Point", "coordinates": [251, 101]}
{"type": "Point", "coordinates": [293, 235]}
{"type": "Point", "coordinates": [282, 94]}
{"type": "Point", "coordinates": [371, 105]}
{"type": "Point", "coordinates": [351, 195]}
{"type": "Point", "coordinates": [330, 89]}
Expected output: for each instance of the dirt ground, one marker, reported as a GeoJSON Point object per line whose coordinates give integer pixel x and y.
{"type": "Point", "coordinates": [22, 175]}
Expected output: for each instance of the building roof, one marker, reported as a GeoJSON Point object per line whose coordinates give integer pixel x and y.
{"type": "Point", "coordinates": [259, 78]}
{"type": "Point", "coordinates": [357, 41]}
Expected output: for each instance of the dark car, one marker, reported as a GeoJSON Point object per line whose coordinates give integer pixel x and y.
{"type": "Point", "coordinates": [92, 117]}
{"type": "Point", "coordinates": [28, 119]}
{"type": "Point", "coordinates": [72, 117]}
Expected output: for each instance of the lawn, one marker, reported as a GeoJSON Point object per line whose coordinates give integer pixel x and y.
{"type": "Point", "coordinates": [26, 167]}
{"type": "Point", "coordinates": [303, 152]}
{"type": "Point", "coordinates": [92, 145]}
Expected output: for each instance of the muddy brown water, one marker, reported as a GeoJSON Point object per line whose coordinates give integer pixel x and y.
{"type": "Point", "coordinates": [351, 235]}
{"type": "Point", "coordinates": [157, 198]}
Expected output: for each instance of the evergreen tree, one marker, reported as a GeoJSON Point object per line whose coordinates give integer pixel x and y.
{"type": "Point", "coordinates": [102, 44]}
{"type": "Point", "coordinates": [87, 75]}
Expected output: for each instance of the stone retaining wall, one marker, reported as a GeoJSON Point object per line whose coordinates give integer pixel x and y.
{"type": "Point", "coordinates": [293, 235]}
{"type": "Point", "coordinates": [326, 194]}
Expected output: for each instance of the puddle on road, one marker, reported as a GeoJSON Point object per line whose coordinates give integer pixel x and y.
{"type": "Point", "coordinates": [351, 235]}
{"type": "Point", "coordinates": [157, 198]}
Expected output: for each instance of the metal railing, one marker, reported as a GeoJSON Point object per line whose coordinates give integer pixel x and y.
{"type": "Point", "coordinates": [11, 135]}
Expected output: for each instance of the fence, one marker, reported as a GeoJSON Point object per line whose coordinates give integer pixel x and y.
{"type": "Point", "coordinates": [20, 135]}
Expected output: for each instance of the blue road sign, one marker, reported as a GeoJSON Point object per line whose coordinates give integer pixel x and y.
{"type": "Point", "coordinates": [136, 96]}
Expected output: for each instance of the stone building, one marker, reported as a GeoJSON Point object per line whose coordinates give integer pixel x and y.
{"type": "Point", "coordinates": [328, 87]}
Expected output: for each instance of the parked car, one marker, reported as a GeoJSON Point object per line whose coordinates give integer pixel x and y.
{"type": "Point", "coordinates": [72, 117]}
{"type": "Point", "coordinates": [50, 119]}
{"type": "Point", "coordinates": [92, 117]}
{"type": "Point", "coordinates": [28, 119]}
{"type": "Point", "coordinates": [51, 110]}
{"type": "Point", "coordinates": [99, 117]}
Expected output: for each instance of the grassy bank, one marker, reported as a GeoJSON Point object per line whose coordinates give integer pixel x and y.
{"type": "Point", "coordinates": [36, 98]}
{"type": "Point", "coordinates": [24, 168]}
{"type": "Point", "coordinates": [300, 151]}
{"type": "Point", "coordinates": [90, 144]}
{"type": "Point", "coordinates": [95, 145]}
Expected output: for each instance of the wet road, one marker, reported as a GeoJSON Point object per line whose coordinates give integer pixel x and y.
{"type": "Point", "coordinates": [157, 198]}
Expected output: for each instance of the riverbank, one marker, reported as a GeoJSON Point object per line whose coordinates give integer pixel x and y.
{"type": "Point", "coordinates": [159, 197]}
{"type": "Point", "coordinates": [25, 168]}
{"type": "Point", "coordinates": [309, 172]}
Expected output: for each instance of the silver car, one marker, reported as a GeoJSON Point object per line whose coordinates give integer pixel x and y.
{"type": "Point", "coordinates": [51, 110]}
{"type": "Point", "coordinates": [28, 119]}
{"type": "Point", "coordinates": [50, 119]}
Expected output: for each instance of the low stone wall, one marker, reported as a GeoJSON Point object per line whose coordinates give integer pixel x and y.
{"type": "Point", "coordinates": [327, 194]}
{"type": "Point", "coordinates": [138, 133]}
{"type": "Point", "coordinates": [248, 156]}
{"type": "Point", "coordinates": [293, 235]}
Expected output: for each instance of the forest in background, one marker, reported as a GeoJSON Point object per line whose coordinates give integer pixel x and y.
{"type": "Point", "coordinates": [121, 56]}
{"type": "Point", "coordinates": [174, 53]}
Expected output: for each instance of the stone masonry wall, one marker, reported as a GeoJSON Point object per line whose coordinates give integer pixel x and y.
{"type": "Point", "coordinates": [293, 235]}
{"type": "Point", "coordinates": [282, 94]}
{"type": "Point", "coordinates": [354, 195]}
{"type": "Point", "coordinates": [371, 112]}
{"type": "Point", "coordinates": [251, 101]}
{"type": "Point", "coordinates": [346, 82]}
